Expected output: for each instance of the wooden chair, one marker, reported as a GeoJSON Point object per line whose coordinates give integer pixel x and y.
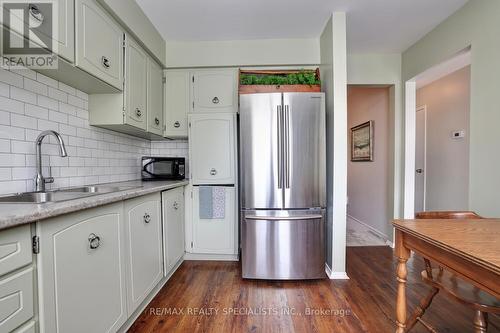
{"type": "Point", "coordinates": [441, 280]}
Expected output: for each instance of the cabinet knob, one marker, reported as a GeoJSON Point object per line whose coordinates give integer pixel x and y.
{"type": "Point", "coordinates": [94, 241]}
{"type": "Point", "coordinates": [105, 62]}
{"type": "Point", "coordinates": [138, 112]}
{"type": "Point", "coordinates": [147, 218]}
{"type": "Point", "coordinates": [157, 121]}
{"type": "Point", "coordinates": [36, 14]}
{"type": "Point", "coordinates": [177, 124]}
{"type": "Point", "coordinates": [176, 205]}
{"type": "Point", "coordinates": [215, 100]}
{"type": "Point", "coordinates": [213, 172]}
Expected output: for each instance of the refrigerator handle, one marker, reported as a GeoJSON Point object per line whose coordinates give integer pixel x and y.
{"type": "Point", "coordinates": [279, 126]}
{"type": "Point", "coordinates": [286, 139]}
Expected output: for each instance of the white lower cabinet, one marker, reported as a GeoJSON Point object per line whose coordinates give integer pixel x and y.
{"type": "Point", "coordinates": [215, 236]}
{"type": "Point", "coordinates": [173, 227]}
{"type": "Point", "coordinates": [144, 257]}
{"type": "Point", "coordinates": [16, 299]}
{"type": "Point", "coordinates": [81, 271]}
{"type": "Point", "coordinates": [15, 249]}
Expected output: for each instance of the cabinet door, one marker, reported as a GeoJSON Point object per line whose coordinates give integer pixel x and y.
{"type": "Point", "coordinates": [143, 247]}
{"type": "Point", "coordinates": [66, 33]}
{"type": "Point", "coordinates": [215, 91]}
{"type": "Point", "coordinates": [15, 248]}
{"type": "Point", "coordinates": [155, 98]}
{"type": "Point", "coordinates": [173, 227]}
{"type": "Point", "coordinates": [81, 271]}
{"type": "Point", "coordinates": [215, 236]}
{"type": "Point", "coordinates": [135, 85]}
{"type": "Point", "coordinates": [99, 43]}
{"type": "Point", "coordinates": [16, 299]}
{"type": "Point", "coordinates": [212, 148]}
{"type": "Point", "coordinates": [177, 103]}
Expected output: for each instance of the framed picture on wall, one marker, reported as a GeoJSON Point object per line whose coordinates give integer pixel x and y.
{"type": "Point", "coordinates": [362, 142]}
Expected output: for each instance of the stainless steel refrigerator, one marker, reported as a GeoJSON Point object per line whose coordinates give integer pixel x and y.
{"type": "Point", "coordinates": [283, 190]}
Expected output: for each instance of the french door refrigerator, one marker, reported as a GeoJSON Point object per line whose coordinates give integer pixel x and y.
{"type": "Point", "coordinates": [283, 190]}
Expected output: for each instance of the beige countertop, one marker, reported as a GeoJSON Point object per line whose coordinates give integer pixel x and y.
{"type": "Point", "coordinates": [14, 214]}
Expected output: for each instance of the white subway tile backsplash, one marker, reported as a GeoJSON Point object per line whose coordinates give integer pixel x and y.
{"type": "Point", "coordinates": [31, 102]}
{"type": "Point", "coordinates": [22, 95]}
{"type": "Point", "coordinates": [11, 105]}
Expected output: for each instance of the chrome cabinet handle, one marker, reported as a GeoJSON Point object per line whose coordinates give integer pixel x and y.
{"type": "Point", "coordinates": [147, 218]}
{"type": "Point", "coordinates": [215, 100]}
{"type": "Point", "coordinates": [105, 62]}
{"type": "Point", "coordinates": [138, 112]}
{"type": "Point", "coordinates": [157, 121]}
{"type": "Point", "coordinates": [177, 124]}
{"type": "Point", "coordinates": [36, 14]}
{"type": "Point", "coordinates": [213, 172]}
{"type": "Point", "coordinates": [94, 241]}
{"type": "Point", "coordinates": [176, 205]}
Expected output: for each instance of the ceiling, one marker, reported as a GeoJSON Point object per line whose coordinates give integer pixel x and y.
{"type": "Point", "coordinates": [385, 26]}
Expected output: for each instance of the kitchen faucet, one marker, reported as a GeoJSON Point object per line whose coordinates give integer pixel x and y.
{"type": "Point", "coordinates": [40, 181]}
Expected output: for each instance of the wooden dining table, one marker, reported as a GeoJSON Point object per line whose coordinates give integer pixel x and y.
{"type": "Point", "coordinates": [469, 248]}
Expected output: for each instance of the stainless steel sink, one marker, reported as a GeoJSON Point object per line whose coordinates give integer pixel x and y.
{"type": "Point", "coordinates": [98, 189]}
{"type": "Point", "coordinates": [63, 194]}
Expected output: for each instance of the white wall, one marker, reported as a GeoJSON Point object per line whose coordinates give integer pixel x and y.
{"type": "Point", "coordinates": [31, 102]}
{"type": "Point", "coordinates": [447, 168]}
{"type": "Point", "coordinates": [264, 52]}
{"type": "Point", "coordinates": [334, 83]}
{"type": "Point", "coordinates": [368, 182]}
{"type": "Point", "coordinates": [473, 25]}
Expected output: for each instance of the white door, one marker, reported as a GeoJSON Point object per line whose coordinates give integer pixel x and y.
{"type": "Point", "coordinates": [214, 236]}
{"type": "Point", "coordinates": [212, 148]}
{"type": "Point", "coordinates": [173, 227]}
{"type": "Point", "coordinates": [420, 158]}
{"type": "Point", "coordinates": [177, 103]}
{"type": "Point", "coordinates": [81, 271]}
{"type": "Point", "coordinates": [215, 91]}
{"type": "Point", "coordinates": [135, 85]}
{"type": "Point", "coordinates": [143, 247]}
{"type": "Point", "coordinates": [155, 98]}
{"type": "Point", "coordinates": [99, 43]}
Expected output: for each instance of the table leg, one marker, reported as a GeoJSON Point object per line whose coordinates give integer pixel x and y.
{"type": "Point", "coordinates": [401, 273]}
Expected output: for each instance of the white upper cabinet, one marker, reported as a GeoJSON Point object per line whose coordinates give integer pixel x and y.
{"type": "Point", "coordinates": [136, 85]}
{"type": "Point", "coordinates": [99, 43]}
{"type": "Point", "coordinates": [212, 148]}
{"type": "Point", "coordinates": [66, 33]}
{"type": "Point", "coordinates": [81, 271]}
{"type": "Point", "coordinates": [155, 98]}
{"type": "Point", "coordinates": [143, 245]}
{"type": "Point", "coordinates": [215, 91]}
{"type": "Point", "coordinates": [177, 103]}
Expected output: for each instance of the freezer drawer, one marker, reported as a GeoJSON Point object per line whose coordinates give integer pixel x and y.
{"type": "Point", "coordinates": [283, 245]}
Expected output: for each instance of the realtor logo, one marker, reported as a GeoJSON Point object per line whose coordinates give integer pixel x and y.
{"type": "Point", "coordinates": [28, 37]}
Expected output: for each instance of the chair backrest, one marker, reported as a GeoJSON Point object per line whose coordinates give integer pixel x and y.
{"type": "Point", "coordinates": [448, 215]}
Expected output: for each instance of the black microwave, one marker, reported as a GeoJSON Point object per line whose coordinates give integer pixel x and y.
{"type": "Point", "coordinates": [163, 168]}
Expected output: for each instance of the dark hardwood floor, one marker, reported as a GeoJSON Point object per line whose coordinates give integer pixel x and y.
{"type": "Point", "coordinates": [365, 303]}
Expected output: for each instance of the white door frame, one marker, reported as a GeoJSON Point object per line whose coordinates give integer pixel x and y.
{"type": "Point", "coordinates": [423, 108]}
{"type": "Point", "coordinates": [409, 155]}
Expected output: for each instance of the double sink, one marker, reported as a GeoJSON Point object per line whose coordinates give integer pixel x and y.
{"type": "Point", "coordinates": [63, 194]}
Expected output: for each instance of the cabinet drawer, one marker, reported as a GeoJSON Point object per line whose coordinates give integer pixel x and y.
{"type": "Point", "coordinates": [15, 248]}
{"type": "Point", "coordinates": [99, 43]}
{"type": "Point", "coordinates": [16, 299]}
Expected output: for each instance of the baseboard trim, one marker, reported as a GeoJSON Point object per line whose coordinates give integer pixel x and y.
{"type": "Point", "coordinates": [335, 275]}
{"type": "Point", "coordinates": [211, 257]}
{"type": "Point", "coordinates": [384, 237]}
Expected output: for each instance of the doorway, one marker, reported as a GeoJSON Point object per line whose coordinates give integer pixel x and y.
{"type": "Point", "coordinates": [420, 158]}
